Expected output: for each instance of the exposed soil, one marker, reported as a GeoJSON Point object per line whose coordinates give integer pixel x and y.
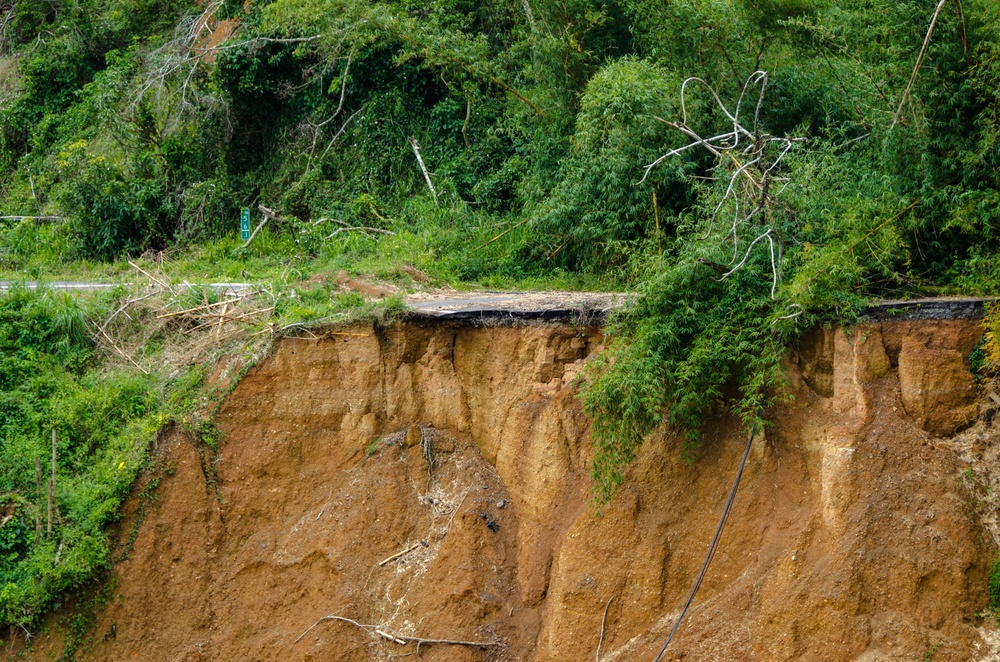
{"type": "Point", "coordinates": [864, 528]}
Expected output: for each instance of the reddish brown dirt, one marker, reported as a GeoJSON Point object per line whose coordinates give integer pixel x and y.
{"type": "Point", "coordinates": [856, 535]}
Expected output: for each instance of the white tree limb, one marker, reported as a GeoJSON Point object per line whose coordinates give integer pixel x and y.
{"type": "Point", "coordinates": [747, 255]}
{"type": "Point", "coordinates": [750, 150]}
{"type": "Point", "coordinates": [423, 169]}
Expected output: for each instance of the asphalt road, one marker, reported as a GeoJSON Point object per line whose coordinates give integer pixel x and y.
{"type": "Point", "coordinates": [566, 305]}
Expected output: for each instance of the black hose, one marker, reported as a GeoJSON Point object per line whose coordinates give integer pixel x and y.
{"type": "Point", "coordinates": [718, 531]}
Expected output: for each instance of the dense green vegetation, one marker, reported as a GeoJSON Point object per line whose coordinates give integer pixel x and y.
{"type": "Point", "coordinates": [846, 172]}
{"type": "Point", "coordinates": [102, 422]}
{"type": "Point", "coordinates": [106, 413]}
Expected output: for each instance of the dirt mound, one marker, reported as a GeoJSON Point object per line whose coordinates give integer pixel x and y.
{"type": "Point", "coordinates": [377, 488]}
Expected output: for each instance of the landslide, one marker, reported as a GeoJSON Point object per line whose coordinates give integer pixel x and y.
{"type": "Point", "coordinates": [432, 480]}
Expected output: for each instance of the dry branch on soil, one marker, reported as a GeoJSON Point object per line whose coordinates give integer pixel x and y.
{"type": "Point", "coordinates": [150, 276]}
{"type": "Point", "coordinates": [402, 553]}
{"type": "Point", "coordinates": [600, 642]}
{"type": "Point", "coordinates": [382, 632]}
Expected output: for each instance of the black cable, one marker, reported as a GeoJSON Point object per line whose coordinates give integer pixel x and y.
{"type": "Point", "coordinates": [718, 531]}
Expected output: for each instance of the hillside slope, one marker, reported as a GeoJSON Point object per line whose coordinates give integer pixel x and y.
{"type": "Point", "coordinates": [857, 534]}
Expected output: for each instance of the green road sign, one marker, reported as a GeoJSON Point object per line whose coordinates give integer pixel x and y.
{"type": "Point", "coordinates": [245, 224]}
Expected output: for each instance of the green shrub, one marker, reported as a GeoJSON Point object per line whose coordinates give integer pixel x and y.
{"type": "Point", "coordinates": [598, 212]}
{"type": "Point", "coordinates": [114, 209]}
{"type": "Point", "coordinates": [994, 586]}
{"type": "Point", "coordinates": [103, 423]}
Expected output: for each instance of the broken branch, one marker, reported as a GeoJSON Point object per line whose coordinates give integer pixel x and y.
{"type": "Point", "coordinates": [55, 489]}
{"type": "Point", "coordinates": [128, 302]}
{"type": "Point", "coordinates": [423, 169]}
{"type": "Point", "coordinates": [149, 276]}
{"type": "Point", "coordinates": [916, 67]}
{"type": "Point", "coordinates": [398, 554]}
{"type": "Point", "coordinates": [401, 639]}
{"type": "Point", "coordinates": [38, 499]}
{"type": "Point", "coordinates": [268, 215]}
{"type": "Point", "coordinates": [747, 147]}
{"type": "Point", "coordinates": [122, 352]}
{"type": "Point", "coordinates": [355, 228]}
{"type": "Point", "coordinates": [222, 320]}
{"type": "Point", "coordinates": [597, 655]}
{"type": "Point", "coordinates": [192, 310]}
{"type": "Point", "coordinates": [343, 127]}
{"type": "Point", "coordinates": [520, 96]}
{"type": "Point", "coordinates": [465, 125]}
{"type": "Point", "coordinates": [332, 617]}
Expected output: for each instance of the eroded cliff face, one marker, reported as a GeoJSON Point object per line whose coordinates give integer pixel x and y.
{"type": "Point", "coordinates": [858, 533]}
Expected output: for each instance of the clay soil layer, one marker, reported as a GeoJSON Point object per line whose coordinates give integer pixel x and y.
{"type": "Point", "coordinates": [430, 481]}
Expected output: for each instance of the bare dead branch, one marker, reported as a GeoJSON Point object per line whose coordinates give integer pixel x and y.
{"type": "Point", "coordinates": [747, 255]}
{"type": "Point", "coordinates": [181, 51]}
{"type": "Point", "coordinates": [961, 27]}
{"type": "Point", "coordinates": [729, 191]}
{"type": "Point", "coordinates": [55, 488]}
{"type": "Point", "coordinates": [358, 228]}
{"type": "Point", "coordinates": [916, 67]}
{"type": "Point", "coordinates": [398, 554]}
{"type": "Point", "coordinates": [524, 99]}
{"type": "Point", "coordinates": [336, 113]}
{"type": "Point", "coordinates": [343, 90]}
{"type": "Point", "coordinates": [774, 265]}
{"type": "Point", "coordinates": [698, 140]}
{"type": "Point", "coordinates": [597, 655]}
{"type": "Point", "coordinates": [121, 352]}
{"type": "Point", "coordinates": [774, 268]}
{"type": "Point", "coordinates": [465, 125]}
{"type": "Point", "coordinates": [343, 128]}
{"type": "Point", "coordinates": [755, 156]}
{"type": "Point", "coordinates": [510, 229]}
{"type": "Point", "coordinates": [333, 617]}
{"type": "Point", "coordinates": [199, 308]}
{"type": "Point", "coordinates": [7, 16]}
{"type": "Point", "coordinates": [268, 215]}
{"type": "Point", "coordinates": [38, 498]}
{"type": "Point", "coordinates": [347, 227]}
{"type": "Point", "coordinates": [401, 639]}
{"type": "Point", "coordinates": [423, 168]}
{"type": "Point", "coordinates": [150, 276]}
{"type": "Point", "coordinates": [798, 311]}
{"type": "Point", "coordinates": [286, 40]}
{"type": "Point", "coordinates": [243, 318]}
{"type": "Point", "coordinates": [222, 320]}
{"type": "Point", "coordinates": [128, 302]}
